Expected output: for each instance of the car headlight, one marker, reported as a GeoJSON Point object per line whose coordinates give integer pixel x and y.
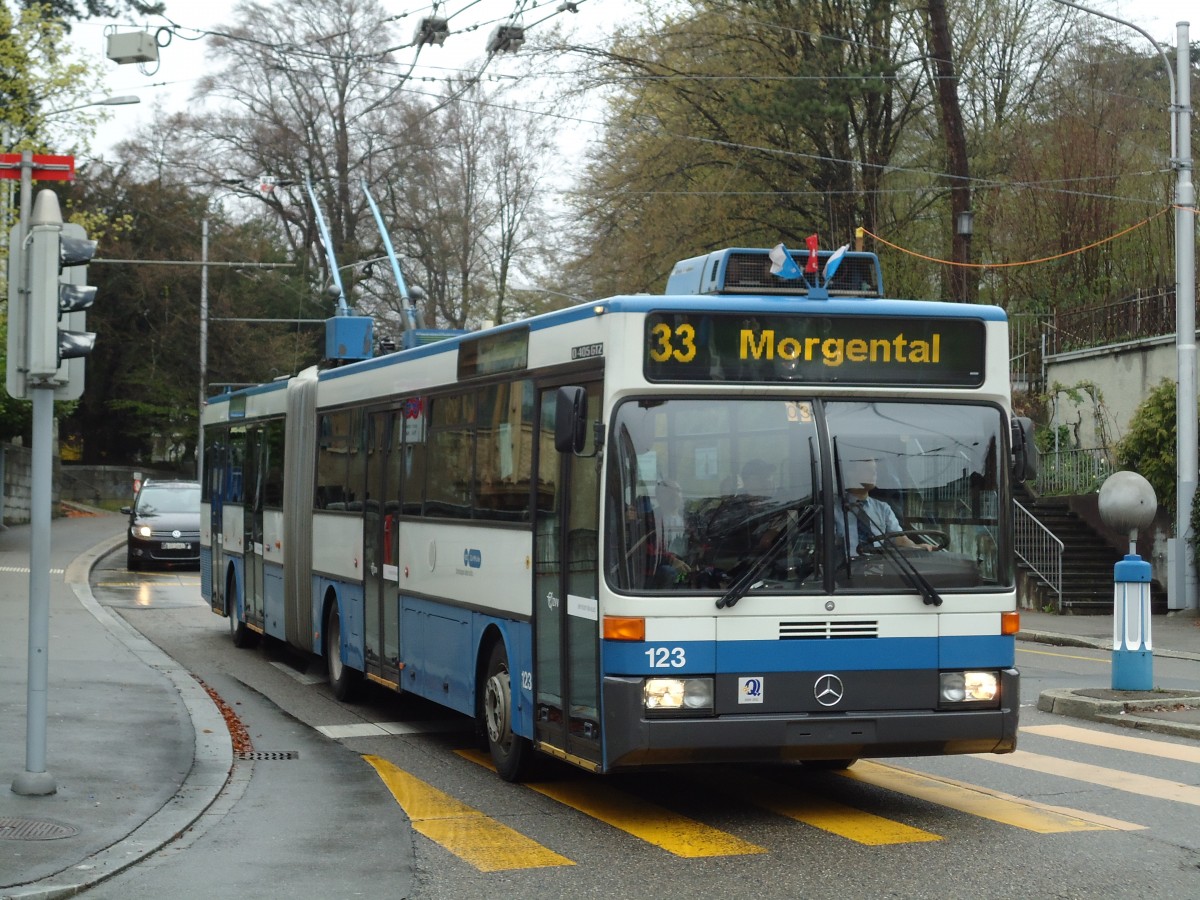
{"type": "Point", "coordinates": [678, 696]}
{"type": "Point", "coordinates": [142, 531]}
{"type": "Point", "coordinates": [969, 689]}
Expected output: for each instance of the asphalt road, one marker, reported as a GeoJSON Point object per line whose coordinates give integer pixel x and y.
{"type": "Point", "coordinates": [387, 798]}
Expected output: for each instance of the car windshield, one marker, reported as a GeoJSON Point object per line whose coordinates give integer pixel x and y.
{"type": "Point", "coordinates": [737, 496]}
{"type": "Point", "coordinates": [154, 501]}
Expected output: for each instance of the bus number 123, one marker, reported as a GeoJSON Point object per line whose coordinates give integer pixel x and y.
{"type": "Point", "coordinates": [666, 657]}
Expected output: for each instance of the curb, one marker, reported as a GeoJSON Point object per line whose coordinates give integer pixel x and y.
{"type": "Point", "coordinates": [1066, 702]}
{"type": "Point", "coordinates": [1072, 640]}
{"type": "Point", "coordinates": [212, 760]}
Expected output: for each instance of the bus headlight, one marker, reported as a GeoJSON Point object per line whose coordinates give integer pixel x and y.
{"type": "Point", "coordinates": [678, 696]}
{"type": "Point", "coordinates": [969, 689]}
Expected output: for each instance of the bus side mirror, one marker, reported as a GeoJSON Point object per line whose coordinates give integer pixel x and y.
{"type": "Point", "coordinates": [570, 419]}
{"type": "Point", "coordinates": [1024, 451]}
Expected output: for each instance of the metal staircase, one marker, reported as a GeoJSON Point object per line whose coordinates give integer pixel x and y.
{"type": "Point", "coordinates": [1069, 561]}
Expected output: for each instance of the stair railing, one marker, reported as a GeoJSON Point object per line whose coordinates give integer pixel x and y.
{"type": "Point", "coordinates": [1039, 549]}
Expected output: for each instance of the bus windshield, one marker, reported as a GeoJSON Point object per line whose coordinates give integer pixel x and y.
{"type": "Point", "coordinates": [804, 496]}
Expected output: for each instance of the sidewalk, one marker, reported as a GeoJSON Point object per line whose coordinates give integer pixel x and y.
{"type": "Point", "coordinates": [1172, 636]}
{"type": "Point", "coordinates": [135, 747]}
{"type": "Point", "coordinates": [139, 752]}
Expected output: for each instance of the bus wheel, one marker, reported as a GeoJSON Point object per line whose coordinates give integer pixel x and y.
{"type": "Point", "coordinates": [241, 636]}
{"type": "Point", "coordinates": [343, 680]}
{"type": "Point", "coordinates": [510, 752]}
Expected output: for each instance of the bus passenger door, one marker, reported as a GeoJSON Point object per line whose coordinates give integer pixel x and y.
{"type": "Point", "coordinates": [381, 509]}
{"type": "Point", "coordinates": [252, 548]}
{"type": "Point", "coordinates": [216, 482]}
{"type": "Point", "coordinates": [566, 681]}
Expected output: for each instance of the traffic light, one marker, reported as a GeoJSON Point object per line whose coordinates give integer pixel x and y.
{"type": "Point", "coordinates": [54, 356]}
{"type": "Point", "coordinates": [75, 297]}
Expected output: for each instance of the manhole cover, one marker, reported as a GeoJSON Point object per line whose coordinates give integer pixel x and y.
{"type": "Point", "coordinates": [13, 829]}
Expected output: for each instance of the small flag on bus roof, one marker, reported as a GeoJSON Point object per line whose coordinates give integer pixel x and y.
{"type": "Point", "coordinates": [834, 261]}
{"type": "Point", "coordinates": [782, 264]}
{"type": "Point", "coordinates": [811, 266]}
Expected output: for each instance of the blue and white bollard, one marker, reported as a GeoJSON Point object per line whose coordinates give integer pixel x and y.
{"type": "Point", "coordinates": [1132, 660]}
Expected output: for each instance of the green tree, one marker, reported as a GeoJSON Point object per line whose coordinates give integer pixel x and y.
{"type": "Point", "coordinates": [68, 10]}
{"type": "Point", "coordinates": [142, 387]}
{"type": "Point", "coordinates": [1148, 447]}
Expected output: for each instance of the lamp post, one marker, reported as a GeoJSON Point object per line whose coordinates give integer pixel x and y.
{"type": "Point", "coordinates": [1183, 575]}
{"type": "Point", "coordinates": [122, 100]}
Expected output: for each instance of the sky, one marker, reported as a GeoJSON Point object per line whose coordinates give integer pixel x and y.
{"type": "Point", "coordinates": [182, 62]}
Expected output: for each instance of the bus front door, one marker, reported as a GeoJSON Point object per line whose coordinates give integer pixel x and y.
{"type": "Point", "coordinates": [566, 681]}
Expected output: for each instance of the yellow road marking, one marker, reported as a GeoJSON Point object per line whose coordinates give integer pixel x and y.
{"type": "Point", "coordinates": [1117, 742]}
{"type": "Point", "coordinates": [649, 822]}
{"type": "Point", "coordinates": [828, 815]}
{"type": "Point", "coordinates": [1104, 659]}
{"type": "Point", "coordinates": [978, 801]}
{"type": "Point", "coordinates": [1098, 775]}
{"type": "Point", "coordinates": [466, 832]}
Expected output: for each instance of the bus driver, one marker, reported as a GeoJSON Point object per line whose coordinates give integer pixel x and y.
{"type": "Point", "coordinates": [868, 518]}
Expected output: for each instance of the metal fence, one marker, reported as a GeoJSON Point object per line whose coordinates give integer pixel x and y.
{"type": "Point", "coordinates": [1034, 336]}
{"type": "Point", "coordinates": [1072, 472]}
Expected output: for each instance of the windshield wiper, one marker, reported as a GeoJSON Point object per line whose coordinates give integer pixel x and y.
{"type": "Point", "coordinates": [750, 579]}
{"type": "Point", "coordinates": [902, 564]}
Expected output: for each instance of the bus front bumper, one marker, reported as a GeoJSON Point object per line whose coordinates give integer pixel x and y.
{"type": "Point", "coordinates": [633, 739]}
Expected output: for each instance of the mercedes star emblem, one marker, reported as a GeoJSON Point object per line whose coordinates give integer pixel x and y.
{"type": "Point", "coordinates": [829, 690]}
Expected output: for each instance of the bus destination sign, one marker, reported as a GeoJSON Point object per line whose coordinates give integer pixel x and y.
{"type": "Point", "coordinates": [808, 349]}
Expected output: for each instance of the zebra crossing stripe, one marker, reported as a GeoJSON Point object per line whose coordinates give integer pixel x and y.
{"type": "Point", "coordinates": [1162, 749]}
{"type": "Point", "coordinates": [675, 833]}
{"type": "Point", "coordinates": [473, 837]}
{"type": "Point", "coordinates": [978, 801]}
{"type": "Point", "coordinates": [1130, 782]}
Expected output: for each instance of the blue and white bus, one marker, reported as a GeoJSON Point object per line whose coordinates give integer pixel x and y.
{"type": "Point", "coordinates": [631, 532]}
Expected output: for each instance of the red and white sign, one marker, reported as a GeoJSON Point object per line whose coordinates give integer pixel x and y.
{"type": "Point", "coordinates": [46, 167]}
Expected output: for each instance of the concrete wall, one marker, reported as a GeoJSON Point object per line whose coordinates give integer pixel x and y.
{"type": "Point", "coordinates": [1124, 374]}
{"type": "Point", "coordinates": [88, 485]}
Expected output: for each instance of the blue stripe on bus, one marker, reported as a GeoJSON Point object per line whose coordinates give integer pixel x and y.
{"type": "Point", "coordinates": [684, 657]}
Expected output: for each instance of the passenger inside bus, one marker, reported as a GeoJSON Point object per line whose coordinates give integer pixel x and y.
{"type": "Point", "coordinates": [663, 566]}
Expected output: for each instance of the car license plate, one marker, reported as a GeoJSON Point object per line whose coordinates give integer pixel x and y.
{"type": "Point", "coordinates": [176, 545]}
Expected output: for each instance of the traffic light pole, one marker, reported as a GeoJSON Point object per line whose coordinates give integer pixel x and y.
{"type": "Point", "coordinates": [35, 780]}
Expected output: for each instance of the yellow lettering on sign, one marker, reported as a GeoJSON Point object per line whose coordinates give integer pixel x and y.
{"type": "Point", "coordinates": [765, 348]}
{"type": "Point", "coordinates": [833, 352]}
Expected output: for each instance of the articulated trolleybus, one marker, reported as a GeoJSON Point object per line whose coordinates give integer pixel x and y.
{"type": "Point", "coordinates": [748, 519]}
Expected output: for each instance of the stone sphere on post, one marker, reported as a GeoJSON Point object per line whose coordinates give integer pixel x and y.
{"type": "Point", "coordinates": [1127, 503]}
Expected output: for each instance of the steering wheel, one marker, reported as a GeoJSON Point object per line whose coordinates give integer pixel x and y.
{"type": "Point", "coordinates": [940, 539]}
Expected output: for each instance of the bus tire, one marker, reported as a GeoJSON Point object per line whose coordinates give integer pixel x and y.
{"type": "Point", "coordinates": [242, 637]}
{"type": "Point", "coordinates": [343, 681]}
{"type": "Point", "coordinates": [510, 752]}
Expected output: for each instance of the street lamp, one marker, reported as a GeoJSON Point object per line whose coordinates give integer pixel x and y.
{"type": "Point", "coordinates": [1183, 576]}
{"type": "Point", "coordinates": [122, 100]}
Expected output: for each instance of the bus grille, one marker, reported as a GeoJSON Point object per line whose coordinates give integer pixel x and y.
{"type": "Point", "coordinates": [824, 630]}
{"type": "Point", "coordinates": [751, 273]}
